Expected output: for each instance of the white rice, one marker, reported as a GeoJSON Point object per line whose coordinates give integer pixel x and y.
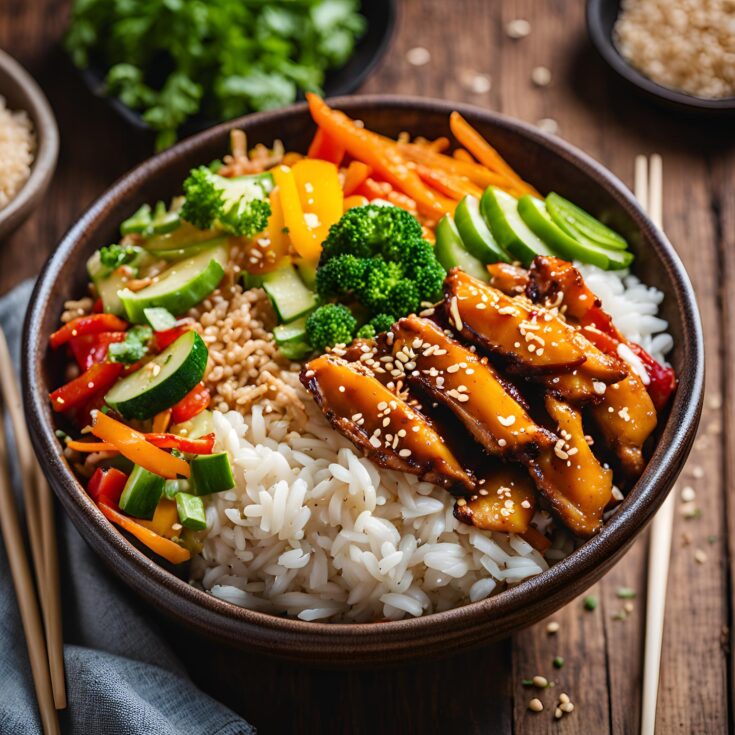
{"type": "Point", "coordinates": [314, 530]}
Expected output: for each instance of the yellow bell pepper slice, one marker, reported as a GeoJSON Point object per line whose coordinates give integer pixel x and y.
{"type": "Point", "coordinates": [303, 239]}
{"type": "Point", "coordinates": [163, 519]}
{"type": "Point", "coordinates": [162, 546]}
{"type": "Point", "coordinates": [133, 445]}
{"type": "Point", "coordinates": [320, 193]}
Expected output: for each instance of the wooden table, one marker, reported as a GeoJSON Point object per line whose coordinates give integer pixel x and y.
{"type": "Point", "coordinates": [482, 691]}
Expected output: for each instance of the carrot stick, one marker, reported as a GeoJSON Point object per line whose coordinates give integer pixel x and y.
{"type": "Point", "coordinates": [384, 158]}
{"type": "Point", "coordinates": [324, 147]}
{"type": "Point", "coordinates": [476, 173]}
{"type": "Point", "coordinates": [484, 152]}
{"type": "Point", "coordinates": [356, 173]}
{"type": "Point", "coordinates": [462, 155]}
{"type": "Point", "coordinates": [454, 187]}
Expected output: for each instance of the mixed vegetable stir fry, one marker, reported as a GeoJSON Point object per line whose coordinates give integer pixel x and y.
{"type": "Point", "coordinates": [350, 242]}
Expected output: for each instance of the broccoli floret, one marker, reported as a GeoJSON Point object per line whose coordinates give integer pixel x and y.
{"type": "Point", "coordinates": [371, 230]}
{"type": "Point", "coordinates": [378, 324]}
{"type": "Point", "coordinates": [236, 205]}
{"type": "Point", "coordinates": [340, 276]}
{"type": "Point", "coordinates": [376, 256]}
{"type": "Point", "coordinates": [366, 331]}
{"type": "Point", "coordinates": [329, 325]}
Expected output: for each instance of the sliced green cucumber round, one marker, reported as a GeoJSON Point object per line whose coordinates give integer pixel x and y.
{"type": "Point", "coordinates": [163, 381]}
{"type": "Point", "coordinates": [534, 214]}
{"type": "Point", "coordinates": [288, 294]}
{"type": "Point", "coordinates": [475, 233]}
{"type": "Point", "coordinates": [183, 237]}
{"type": "Point", "coordinates": [500, 211]}
{"type": "Point", "coordinates": [578, 223]}
{"type": "Point", "coordinates": [179, 287]}
{"type": "Point", "coordinates": [451, 253]}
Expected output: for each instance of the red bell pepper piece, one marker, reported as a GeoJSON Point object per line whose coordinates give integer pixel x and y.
{"type": "Point", "coordinates": [663, 379]}
{"type": "Point", "coordinates": [90, 324]}
{"type": "Point", "coordinates": [81, 390]}
{"type": "Point", "coordinates": [161, 340]}
{"type": "Point", "coordinates": [98, 307]}
{"type": "Point", "coordinates": [203, 445]}
{"type": "Point", "coordinates": [191, 405]}
{"type": "Point", "coordinates": [89, 349]}
{"type": "Point", "coordinates": [106, 486]}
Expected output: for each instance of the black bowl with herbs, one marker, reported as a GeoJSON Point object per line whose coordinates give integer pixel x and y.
{"type": "Point", "coordinates": [176, 71]}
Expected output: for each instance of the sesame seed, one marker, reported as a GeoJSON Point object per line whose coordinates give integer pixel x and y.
{"type": "Point", "coordinates": [404, 453]}
{"type": "Point", "coordinates": [507, 420]}
{"type": "Point", "coordinates": [418, 56]}
{"type": "Point", "coordinates": [688, 494]}
{"type": "Point", "coordinates": [558, 713]}
{"type": "Point", "coordinates": [536, 705]}
{"type": "Point", "coordinates": [525, 504]}
{"type": "Point", "coordinates": [700, 556]}
{"type": "Point", "coordinates": [566, 707]}
{"type": "Point", "coordinates": [564, 698]}
{"type": "Point", "coordinates": [541, 76]}
{"type": "Point", "coordinates": [461, 502]}
{"type": "Point", "coordinates": [552, 627]}
{"type": "Point", "coordinates": [517, 29]}
{"type": "Point", "coordinates": [540, 682]}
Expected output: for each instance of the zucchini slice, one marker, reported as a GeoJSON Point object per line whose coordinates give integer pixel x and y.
{"type": "Point", "coordinates": [141, 493]}
{"type": "Point", "coordinates": [288, 294]}
{"type": "Point", "coordinates": [181, 286]}
{"type": "Point", "coordinates": [211, 473]}
{"type": "Point", "coordinates": [163, 381]}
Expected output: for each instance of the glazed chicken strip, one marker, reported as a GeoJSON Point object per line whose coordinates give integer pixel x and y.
{"type": "Point", "coordinates": [466, 384]}
{"type": "Point", "coordinates": [570, 476]}
{"type": "Point", "coordinates": [510, 279]}
{"type": "Point", "coordinates": [386, 428]}
{"type": "Point", "coordinates": [627, 417]}
{"type": "Point", "coordinates": [533, 339]}
{"type": "Point", "coordinates": [556, 282]}
{"type": "Point", "coordinates": [505, 501]}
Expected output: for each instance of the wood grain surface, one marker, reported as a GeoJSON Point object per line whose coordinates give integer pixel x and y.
{"type": "Point", "coordinates": [482, 692]}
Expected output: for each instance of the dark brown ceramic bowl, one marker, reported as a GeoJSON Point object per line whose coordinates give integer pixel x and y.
{"type": "Point", "coordinates": [22, 93]}
{"type": "Point", "coordinates": [548, 163]}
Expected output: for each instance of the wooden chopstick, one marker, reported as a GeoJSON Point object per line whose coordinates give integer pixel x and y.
{"type": "Point", "coordinates": [41, 527]}
{"type": "Point", "coordinates": [649, 191]}
{"type": "Point", "coordinates": [27, 602]}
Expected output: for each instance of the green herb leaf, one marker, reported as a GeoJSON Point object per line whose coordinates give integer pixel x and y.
{"type": "Point", "coordinates": [133, 348]}
{"type": "Point", "coordinates": [113, 256]}
{"type": "Point", "coordinates": [626, 593]}
{"type": "Point", "coordinates": [558, 662]}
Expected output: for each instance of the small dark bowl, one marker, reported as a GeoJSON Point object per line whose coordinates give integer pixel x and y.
{"type": "Point", "coordinates": [369, 49]}
{"type": "Point", "coordinates": [22, 93]}
{"type": "Point", "coordinates": [546, 161]}
{"type": "Point", "coordinates": [601, 17]}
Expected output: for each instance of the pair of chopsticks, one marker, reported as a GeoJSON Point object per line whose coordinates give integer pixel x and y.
{"type": "Point", "coordinates": [648, 191]}
{"type": "Point", "coordinates": [42, 628]}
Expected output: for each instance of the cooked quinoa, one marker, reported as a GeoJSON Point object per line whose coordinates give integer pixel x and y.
{"type": "Point", "coordinates": [688, 45]}
{"type": "Point", "coordinates": [17, 146]}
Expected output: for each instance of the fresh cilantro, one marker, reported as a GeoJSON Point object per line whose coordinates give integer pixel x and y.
{"type": "Point", "coordinates": [113, 256]}
{"type": "Point", "coordinates": [172, 60]}
{"type": "Point", "coordinates": [133, 348]}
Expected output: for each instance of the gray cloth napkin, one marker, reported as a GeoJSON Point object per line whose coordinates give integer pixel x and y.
{"type": "Point", "coordinates": [121, 675]}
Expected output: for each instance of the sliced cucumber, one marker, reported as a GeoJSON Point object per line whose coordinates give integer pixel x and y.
{"type": "Point", "coordinates": [141, 493]}
{"type": "Point", "coordinates": [288, 294]}
{"type": "Point", "coordinates": [578, 223]}
{"type": "Point", "coordinates": [211, 473]}
{"type": "Point", "coordinates": [534, 214]}
{"type": "Point", "coordinates": [500, 211]}
{"type": "Point", "coordinates": [163, 381]}
{"type": "Point", "coordinates": [183, 237]}
{"type": "Point", "coordinates": [307, 271]}
{"type": "Point", "coordinates": [451, 253]}
{"type": "Point", "coordinates": [475, 234]}
{"type": "Point", "coordinates": [191, 511]}
{"type": "Point", "coordinates": [109, 282]}
{"type": "Point", "coordinates": [160, 319]}
{"type": "Point", "coordinates": [294, 331]}
{"type": "Point", "coordinates": [181, 286]}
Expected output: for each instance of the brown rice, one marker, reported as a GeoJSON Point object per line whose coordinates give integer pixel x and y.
{"type": "Point", "coordinates": [17, 145]}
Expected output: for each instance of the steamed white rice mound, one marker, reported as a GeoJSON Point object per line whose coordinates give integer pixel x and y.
{"type": "Point", "coordinates": [316, 531]}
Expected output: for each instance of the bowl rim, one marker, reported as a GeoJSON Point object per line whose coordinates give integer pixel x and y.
{"type": "Point", "coordinates": [606, 48]}
{"type": "Point", "coordinates": [229, 622]}
{"type": "Point", "coordinates": [39, 111]}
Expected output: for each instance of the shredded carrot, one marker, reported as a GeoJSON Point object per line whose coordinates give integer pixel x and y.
{"type": "Point", "coordinates": [356, 173]}
{"type": "Point", "coordinates": [462, 155]}
{"type": "Point", "coordinates": [383, 157]}
{"type": "Point", "coordinates": [161, 421]}
{"type": "Point", "coordinates": [476, 173]}
{"type": "Point", "coordinates": [162, 546]}
{"type": "Point", "coordinates": [484, 152]}
{"type": "Point", "coordinates": [325, 148]}
{"type": "Point", "coordinates": [356, 200]}
{"type": "Point", "coordinates": [134, 445]}
{"type": "Point", "coordinates": [89, 447]}
{"type": "Point", "coordinates": [455, 187]}
{"type": "Point", "coordinates": [401, 200]}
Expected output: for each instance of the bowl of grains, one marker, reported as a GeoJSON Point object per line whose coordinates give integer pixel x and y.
{"type": "Point", "coordinates": [680, 52]}
{"type": "Point", "coordinates": [29, 144]}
